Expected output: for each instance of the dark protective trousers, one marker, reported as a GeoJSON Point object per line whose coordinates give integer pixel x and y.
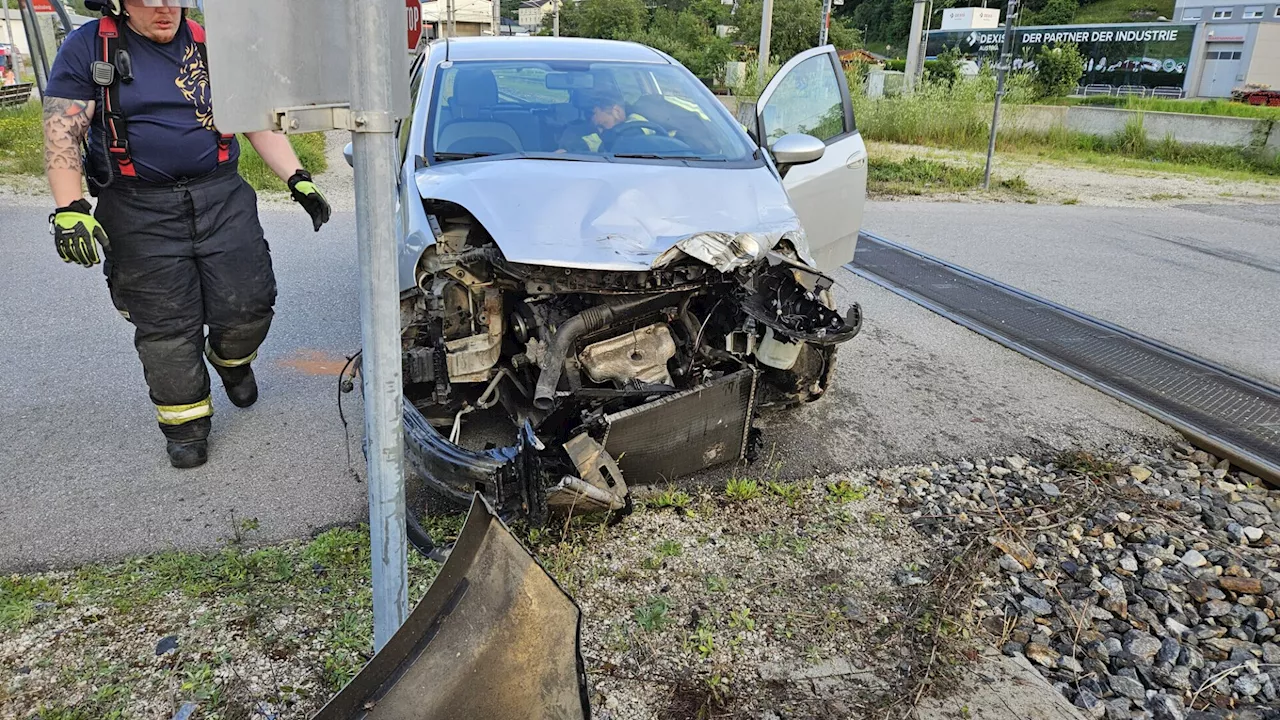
{"type": "Point", "coordinates": [183, 257]}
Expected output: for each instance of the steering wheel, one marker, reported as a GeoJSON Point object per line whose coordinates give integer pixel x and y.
{"type": "Point", "coordinates": [629, 127]}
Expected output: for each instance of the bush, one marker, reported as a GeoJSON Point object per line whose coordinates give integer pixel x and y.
{"type": "Point", "coordinates": [895, 64]}
{"type": "Point", "coordinates": [945, 68]}
{"type": "Point", "coordinates": [1058, 70]}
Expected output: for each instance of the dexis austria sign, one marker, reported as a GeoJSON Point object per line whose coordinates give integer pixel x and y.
{"type": "Point", "coordinates": [1131, 54]}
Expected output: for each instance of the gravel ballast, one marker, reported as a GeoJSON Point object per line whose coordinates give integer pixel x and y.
{"type": "Point", "coordinates": [1144, 586]}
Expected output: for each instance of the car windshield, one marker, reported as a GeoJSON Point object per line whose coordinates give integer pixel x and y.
{"type": "Point", "coordinates": [579, 108]}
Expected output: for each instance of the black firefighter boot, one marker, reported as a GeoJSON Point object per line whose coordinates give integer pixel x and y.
{"type": "Point", "coordinates": [240, 384]}
{"type": "Point", "coordinates": [188, 443]}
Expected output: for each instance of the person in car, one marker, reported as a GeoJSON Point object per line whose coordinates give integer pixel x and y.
{"type": "Point", "coordinates": [608, 113]}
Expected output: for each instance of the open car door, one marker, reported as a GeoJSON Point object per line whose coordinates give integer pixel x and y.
{"type": "Point", "coordinates": [810, 96]}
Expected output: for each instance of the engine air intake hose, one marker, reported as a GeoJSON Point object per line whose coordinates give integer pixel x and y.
{"type": "Point", "coordinates": [589, 320]}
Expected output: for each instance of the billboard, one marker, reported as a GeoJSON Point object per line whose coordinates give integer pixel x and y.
{"type": "Point", "coordinates": [1146, 54]}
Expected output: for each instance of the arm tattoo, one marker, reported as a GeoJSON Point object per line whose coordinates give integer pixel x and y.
{"type": "Point", "coordinates": [65, 125]}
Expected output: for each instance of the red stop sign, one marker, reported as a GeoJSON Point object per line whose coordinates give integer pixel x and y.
{"type": "Point", "coordinates": [413, 13]}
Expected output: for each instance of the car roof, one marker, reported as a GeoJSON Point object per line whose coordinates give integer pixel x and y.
{"type": "Point", "coordinates": [549, 48]}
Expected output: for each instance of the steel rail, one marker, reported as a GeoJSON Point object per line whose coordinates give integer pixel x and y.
{"type": "Point", "coordinates": [1216, 408]}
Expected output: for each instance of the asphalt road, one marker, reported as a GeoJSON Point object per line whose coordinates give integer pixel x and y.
{"type": "Point", "coordinates": [83, 471]}
{"type": "Point", "coordinates": [83, 475]}
{"type": "Point", "coordinates": [1204, 278]}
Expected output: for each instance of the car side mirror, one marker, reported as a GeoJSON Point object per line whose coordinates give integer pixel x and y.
{"type": "Point", "coordinates": [797, 149]}
{"type": "Point", "coordinates": [347, 153]}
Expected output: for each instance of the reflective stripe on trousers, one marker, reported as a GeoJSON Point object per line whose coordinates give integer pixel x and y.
{"type": "Point", "coordinates": [179, 414]}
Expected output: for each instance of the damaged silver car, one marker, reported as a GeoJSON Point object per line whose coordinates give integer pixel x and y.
{"type": "Point", "coordinates": [605, 276]}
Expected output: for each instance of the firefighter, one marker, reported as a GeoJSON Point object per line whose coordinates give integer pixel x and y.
{"type": "Point", "coordinates": [182, 246]}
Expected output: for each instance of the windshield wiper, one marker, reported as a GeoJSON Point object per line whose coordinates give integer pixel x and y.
{"type": "Point", "coordinates": [463, 156]}
{"type": "Point", "coordinates": [654, 156]}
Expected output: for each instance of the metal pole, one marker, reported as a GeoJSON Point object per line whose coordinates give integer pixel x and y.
{"type": "Point", "coordinates": [826, 22]}
{"type": "Point", "coordinates": [766, 32]}
{"type": "Point", "coordinates": [17, 56]}
{"type": "Point", "coordinates": [35, 43]}
{"type": "Point", "coordinates": [914, 51]}
{"type": "Point", "coordinates": [374, 148]}
{"type": "Point", "coordinates": [1005, 62]}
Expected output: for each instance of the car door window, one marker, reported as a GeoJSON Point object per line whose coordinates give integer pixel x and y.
{"type": "Point", "coordinates": [404, 128]}
{"type": "Point", "coordinates": [808, 100]}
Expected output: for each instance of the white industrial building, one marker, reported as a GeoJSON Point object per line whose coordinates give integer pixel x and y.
{"type": "Point", "coordinates": [1235, 45]}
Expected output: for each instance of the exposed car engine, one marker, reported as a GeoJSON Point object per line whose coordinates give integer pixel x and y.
{"type": "Point", "coordinates": [605, 378]}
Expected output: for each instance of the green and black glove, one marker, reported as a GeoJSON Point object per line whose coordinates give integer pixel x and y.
{"type": "Point", "coordinates": [306, 194]}
{"type": "Point", "coordinates": [77, 234]}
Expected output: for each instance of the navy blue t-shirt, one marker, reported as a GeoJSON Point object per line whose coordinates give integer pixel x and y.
{"type": "Point", "coordinates": [168, 107]}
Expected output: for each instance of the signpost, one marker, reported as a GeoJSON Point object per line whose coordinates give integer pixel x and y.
{"type": "Point", "coordinates": [325, 66]}
{"type": "Point", "coordinates": [413, 11]}
{"type": "Point", "coordinates": [1002, 67]}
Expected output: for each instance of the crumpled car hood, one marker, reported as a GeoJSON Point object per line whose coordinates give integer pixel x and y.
{"type": "Point", "coordinates": [611, 216]}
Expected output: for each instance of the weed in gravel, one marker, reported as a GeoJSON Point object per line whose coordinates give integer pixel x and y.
{"type": "Point", "coordinates": [1016, 184]}
{"type": "Point", "coordinates": [742, 489]}
{"type": "Point", "coordinates": [790, 493]}
{"type": "Point", "coordinates": [703, 640]}
{"type": "Point", "coordinates": [1084, 463]}
{"type": "Point", "coordinates": [653, 616]}
{"type": "Point", "coordinates": [716, 583]}
{"type": "Point", "coordinates": [669, 548]}
{"type": "Point", "coordinates": [741, 619]}
{"type": "Point", "coordinates": [670, 498]}
{"type": "Point", "coordinates": [843, 491]}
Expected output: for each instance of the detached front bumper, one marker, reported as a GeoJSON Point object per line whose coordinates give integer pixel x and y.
{"type": "Point", "coordinates": [675, 435]}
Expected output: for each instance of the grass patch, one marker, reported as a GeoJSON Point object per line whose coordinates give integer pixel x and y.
{"type": "Point", "coordinates": [1224, 108]}
{"type": "Point", "coordinates": [22, 149]}
{"type": "Point", "coordinates": [310, 150]}
{"type": "Point", "coordinates": [309, 603]}
{"type": "Point", "coordinates": [959, 117]}
{"type": "Point", "coordinates": [742, 489]}
{"type": "Point", "coordinates": [670, 498]}
{"type": "Point", "coordinates": [915, 176]}
{"type": "Point", "coordinates": [22, 140]}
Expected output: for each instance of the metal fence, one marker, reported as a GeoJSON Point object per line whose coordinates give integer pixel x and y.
{"type": "Point", "coordinates": [15, 95]}
{"type": "Point", "coordinates": [1164, 91]}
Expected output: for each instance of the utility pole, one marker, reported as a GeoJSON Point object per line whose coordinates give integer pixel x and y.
{"type": "Point", "coordinates": [374, 150]}
{"type": "Point", "coordinates": [497, 17]}
{"type": "Point", "coordinates": [8, 29]}
{"type": "Point", "coordinates": [453, 25]}
{"type": "Point", "coordinates": [826, 22]}
{"type": "Point", "coordinates": [766, 32]}
{"type": "Point", "coordinates": [1002, 66]}
{"type": "Point", "coordinates": [555, 19]}
{"type": "Point", "coordinates": [914, 51]}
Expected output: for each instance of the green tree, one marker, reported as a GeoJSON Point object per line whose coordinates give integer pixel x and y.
{"type": "Point", "coordinates": [689, 36]}
{"type": "Point", "coordinates": [1058, 70]}
{"type": "Point", "coordinates": [607, 19]}
{"type": "Point", "coordinates": [796, 24]}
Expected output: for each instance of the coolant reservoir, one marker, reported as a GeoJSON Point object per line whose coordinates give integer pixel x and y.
{"type": "Point", "coordinates": [776, 352]}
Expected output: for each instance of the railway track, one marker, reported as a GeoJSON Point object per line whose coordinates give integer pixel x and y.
{"type": "Point", "coordinates": [1218, 409]}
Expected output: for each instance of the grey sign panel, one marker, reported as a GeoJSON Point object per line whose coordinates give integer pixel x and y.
{"type": "Point", "coordinates": [268, 56]}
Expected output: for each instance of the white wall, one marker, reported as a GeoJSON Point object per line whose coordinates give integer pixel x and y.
{"type": "Point", "coordinates": [1264, 67]}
